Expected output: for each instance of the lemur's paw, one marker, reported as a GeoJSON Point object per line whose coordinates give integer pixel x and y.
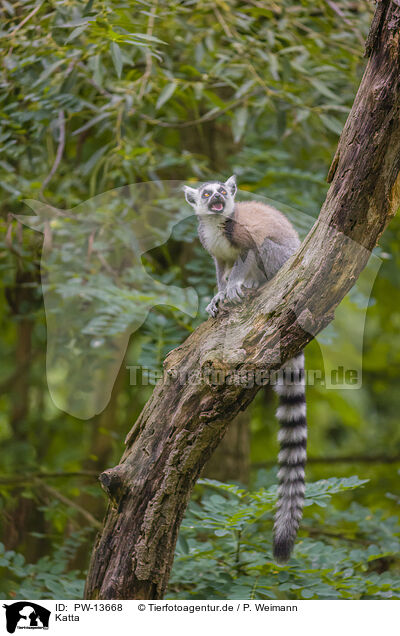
{"type": "Point", "coordinates": [234, 293]}
{"type": "Point", "coordinates": [254, 284]}
{"type": "Point", "coordinates": [212, 308]}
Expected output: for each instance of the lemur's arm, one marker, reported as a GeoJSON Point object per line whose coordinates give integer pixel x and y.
{"type": "Point", "coordinates": [245, 273]}
{"type": "Point", "coordinates": [212, 308]}
{"type": "Point", "coordinates": [221, 279]}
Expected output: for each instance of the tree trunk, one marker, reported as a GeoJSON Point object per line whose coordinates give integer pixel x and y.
{"type": "Point", "coordinates": [230, 460]}
{"type": "Point", "coordinates": [183, 421]}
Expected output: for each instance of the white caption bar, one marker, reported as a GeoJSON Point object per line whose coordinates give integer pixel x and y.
{"type": "Point", "coordinates": [170, 618]}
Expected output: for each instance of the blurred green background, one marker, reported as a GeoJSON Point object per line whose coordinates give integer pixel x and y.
{"type": "Point", "coordinates": [99, 95]}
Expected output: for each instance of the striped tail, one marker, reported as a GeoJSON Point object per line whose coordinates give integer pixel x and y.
{"type": "Point", "coordinates": [292, 437]}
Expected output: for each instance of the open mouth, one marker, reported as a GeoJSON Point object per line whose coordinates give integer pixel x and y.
{"type": "Point", "coordinates": [217, 206]}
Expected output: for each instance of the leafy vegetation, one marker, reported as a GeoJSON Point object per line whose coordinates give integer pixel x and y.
{"type": "Point", "coordinates": [225, 547]}
{"type": "Point", "coordinates": [224, 550]}
{"type": "Point", "coordinates": [50, 577]}
{"type": "Point", "coordinates": [98, 95]}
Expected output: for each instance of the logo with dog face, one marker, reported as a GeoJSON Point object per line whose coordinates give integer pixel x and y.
{"type": "Point", "coordinates": [26, 615]}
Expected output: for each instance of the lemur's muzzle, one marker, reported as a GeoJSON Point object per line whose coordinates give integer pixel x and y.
{"type": "Point", "coordinates": [217, 203]}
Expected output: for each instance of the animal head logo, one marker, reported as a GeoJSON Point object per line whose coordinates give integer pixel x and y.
{"type": "Point", "coordinates": [26, 615]}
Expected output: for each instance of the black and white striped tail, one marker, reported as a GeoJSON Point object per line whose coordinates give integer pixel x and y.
{"type": "Point", "coordinates": [292, 437]}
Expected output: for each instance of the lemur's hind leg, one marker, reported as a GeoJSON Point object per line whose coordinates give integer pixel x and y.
{"type": "Point", "coordinates": [245, 274]}
{"type": "Point", "coordinates": [271, 255]}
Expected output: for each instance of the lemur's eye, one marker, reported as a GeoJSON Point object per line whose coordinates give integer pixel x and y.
{"type": "Point", "coordinates": [206, 194]}
{"type": "Point", "coordinates": [223, 192]}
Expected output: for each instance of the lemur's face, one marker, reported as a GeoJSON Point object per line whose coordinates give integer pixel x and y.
{"type": "Point", "coordinates": [213, 197]}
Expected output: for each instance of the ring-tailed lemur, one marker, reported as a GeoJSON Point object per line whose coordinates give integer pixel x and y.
{"type": "Point", "coordinates": [249, 242]}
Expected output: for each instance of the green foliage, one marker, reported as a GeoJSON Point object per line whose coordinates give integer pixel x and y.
{"type": "Point", "coordinates": [176, 89]}
{"type": "Point", "coordinates": [49, 578]}
{"type": "Point", "coordinates": [224, 548]}
{"type": "Point", "coordinates": [96, 95]}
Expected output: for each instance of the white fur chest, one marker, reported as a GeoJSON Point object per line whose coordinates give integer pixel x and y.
{"type": "Point", "coordinates": [212, 235]}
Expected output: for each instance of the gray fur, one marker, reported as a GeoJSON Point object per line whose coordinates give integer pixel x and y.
{"type": "Point", "coordinates": [274, 255]}
{"type": "Point", "coordinates": [240, 268]}
{"type": "Point", "coordinates": [292, 437]}
{"type": "Point", "coordinates": [236, 270]}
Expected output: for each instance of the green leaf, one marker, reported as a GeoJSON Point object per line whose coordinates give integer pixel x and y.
{"type": "Point", "coordinates": [91, 123]}
{"type": "Point", "coordinates": [90, 164]}
{"type": "Point", "coordinates": [239, 123]}
{"type": "Point", "coordinates": [221, 532]}
{"type": "Point", "coordinates": [75, 33]}
{"type": "Point", "coordinates": [149, 38]}
{"type": "Point", "coordinates": [116, 57]}
{"type": "Point", "coordinates": [88, 7]}
{"type": "Point", "coordinates": [166, 94]}
{"type": "Point", "coordinates": [332, 123]}
{"type": "Point", "coordinates": [307, 593]}
{"type": "Point", "coordinates": [323, 89]}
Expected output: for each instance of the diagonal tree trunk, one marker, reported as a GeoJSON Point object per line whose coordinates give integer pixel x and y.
{"type": "Point", "coordinates": [183, 421]}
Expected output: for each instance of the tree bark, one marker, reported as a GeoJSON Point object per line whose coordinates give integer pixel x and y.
{"type": "Point", "coordinates": [183, 421]}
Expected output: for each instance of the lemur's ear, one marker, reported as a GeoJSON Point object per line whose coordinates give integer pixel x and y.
{"type": "Point", "coordinates": [230, 184]}
{"type": "Point", "coordinates": [191, 195]}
